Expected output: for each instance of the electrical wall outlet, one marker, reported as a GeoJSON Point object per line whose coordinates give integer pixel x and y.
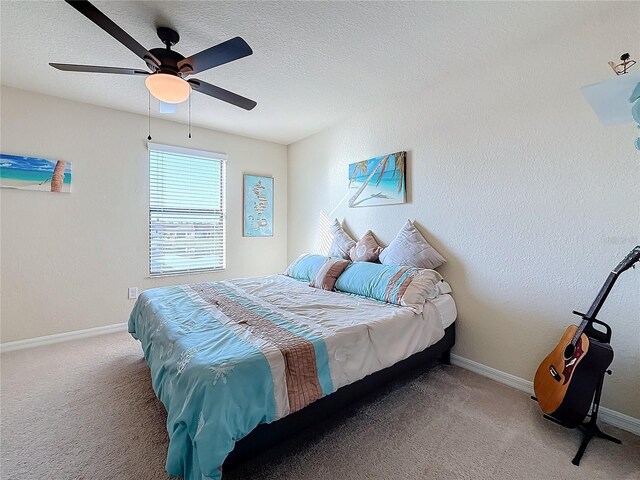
{"type": "Point", "coordinates": [133, 293]}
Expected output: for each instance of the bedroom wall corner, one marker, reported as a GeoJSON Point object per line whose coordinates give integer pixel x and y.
{"type": "Point", "coordinates": [67, 259]}
{"type": "Point", "coordinates": [513, 179]}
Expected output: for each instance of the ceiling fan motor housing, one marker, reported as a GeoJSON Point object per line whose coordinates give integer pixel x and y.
{"type": "Point", "coordinates": [168, 36]}
{"type": "Point", "coordinates": [168, 58]}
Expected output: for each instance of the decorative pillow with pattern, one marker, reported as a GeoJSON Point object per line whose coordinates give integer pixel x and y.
{"type": "Point", "coordinates": [342, 241]}
{"type": "Point", "coordinates": [326, 276]}
{"type": "Point", "coordinates": [400, 285]}
{"type": "Point", "coordinates": [305, 266]}
{"type": "Point", "coordinates": [366, 249]}
{"type": "Point", "coordinates": [410, 248]}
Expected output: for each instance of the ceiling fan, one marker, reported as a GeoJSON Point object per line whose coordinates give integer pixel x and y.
{"type": "Point", "coordinates": [168, 69]}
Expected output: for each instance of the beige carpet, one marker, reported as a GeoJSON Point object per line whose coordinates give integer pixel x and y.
{"type": "Point", "coordinates": [85, 410]}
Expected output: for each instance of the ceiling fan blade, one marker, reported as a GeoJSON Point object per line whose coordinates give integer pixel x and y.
{"type": "Point", "coordinates": [104, 22]}
{"type": "Point", "coordinates": [221, 94]}
{"type": "Point", "coordinates": [97, 69]}
{"type": "Point", "coordinates": [220, 54]}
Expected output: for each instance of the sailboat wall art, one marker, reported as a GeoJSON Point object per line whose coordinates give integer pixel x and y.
{"type": "Point", "coordinates": [258, 206]}
{"type": "Point", "coordinates": [378, 181]}
{"type": "Point", "coordinates": [32, 173]}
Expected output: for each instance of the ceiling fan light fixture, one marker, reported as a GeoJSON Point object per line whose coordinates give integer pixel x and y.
{"type": "Point", "coordinates": [168, 88]}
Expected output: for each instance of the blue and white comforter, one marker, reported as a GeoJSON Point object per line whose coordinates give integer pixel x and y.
{"type": "Point", "coordinates": [228, 356]}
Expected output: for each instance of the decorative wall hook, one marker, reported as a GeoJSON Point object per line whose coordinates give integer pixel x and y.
{"type": "Point", "coordinates": [624, 66]}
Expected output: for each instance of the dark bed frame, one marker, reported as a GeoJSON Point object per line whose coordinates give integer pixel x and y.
{"type": "Point", "coordinates": [268, 435]}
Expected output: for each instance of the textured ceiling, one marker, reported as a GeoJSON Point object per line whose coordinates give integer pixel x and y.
{"type": "Point", "coordinates": [314, 63]}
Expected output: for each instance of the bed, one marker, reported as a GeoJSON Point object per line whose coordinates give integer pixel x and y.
{"type": "Point", "coordinates": [269, 352]}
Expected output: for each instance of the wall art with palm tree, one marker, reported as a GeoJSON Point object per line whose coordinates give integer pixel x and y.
{"type": "Point", "coordinates": [378, 181]}
{"type": "Point", "coordinates": [32, 173]}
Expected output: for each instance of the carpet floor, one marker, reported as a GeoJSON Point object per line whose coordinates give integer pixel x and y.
{"type": "Point", "coordinates": [85, 410]}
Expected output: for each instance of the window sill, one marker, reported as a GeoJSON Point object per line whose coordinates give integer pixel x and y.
{"type": "Point", "coordinates": [191, 272]}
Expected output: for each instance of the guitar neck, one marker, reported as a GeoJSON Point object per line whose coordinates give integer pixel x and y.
{"type": "Point", "coordinates": [583, 325]}
{"type": "Point", "coordinates": [629, 261]}
{"type": "Point", "coordinates": [596, 305]}
{"type": "Point", "coordinates": [602, 296]}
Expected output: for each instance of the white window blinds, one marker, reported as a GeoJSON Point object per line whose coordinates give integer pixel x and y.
{"type": "Point", "coordinates": [186, 210]}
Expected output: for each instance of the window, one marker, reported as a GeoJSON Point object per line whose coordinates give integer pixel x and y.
{"type": "Point", "coordinates": [186, 210]}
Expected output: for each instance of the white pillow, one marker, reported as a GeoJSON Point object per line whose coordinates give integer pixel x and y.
{"type": "Point", "coordinates": [341, 243]}
{"type": "Point", "coordinates": [423, 287]}
{"type": "Point", "coordinates": [441, 288]}
{"type": "Point", "coordinates": [410, 248]}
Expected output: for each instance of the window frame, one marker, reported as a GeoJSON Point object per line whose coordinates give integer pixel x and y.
{"type": "Point", "coordinates": [202, 154]}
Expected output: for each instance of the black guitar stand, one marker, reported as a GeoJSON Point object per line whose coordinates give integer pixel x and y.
{"type": "Point", "coordinates": [590, 428]}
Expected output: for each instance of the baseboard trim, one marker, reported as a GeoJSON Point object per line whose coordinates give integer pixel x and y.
{"type": "Point", "coordinates": [612, 417]}
{"type": "Point", "coordinates": [61, 337]}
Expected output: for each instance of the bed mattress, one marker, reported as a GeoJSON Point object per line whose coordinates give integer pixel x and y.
{"type": "Point", "coordinates": [446, 308]}
{"type": "Point", "coordinates": [227, 356]}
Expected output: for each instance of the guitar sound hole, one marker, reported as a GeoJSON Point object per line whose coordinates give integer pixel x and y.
{"type": "Point", "coordinates": [568, 352]}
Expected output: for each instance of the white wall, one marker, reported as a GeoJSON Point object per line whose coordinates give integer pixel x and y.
{"type": "Point", "coordinates": [515, 182]}
{"type": "Point", "coordinates": [67, 259]}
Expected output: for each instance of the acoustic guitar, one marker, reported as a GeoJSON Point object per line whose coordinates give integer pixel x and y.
{"type": "Point", "coordinates": [567, 378]}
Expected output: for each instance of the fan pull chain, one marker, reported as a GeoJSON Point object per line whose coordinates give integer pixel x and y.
{"type": "Point", "coordinates": [149, 115]}
{"type": "Point", "coordinates": [189, 115]}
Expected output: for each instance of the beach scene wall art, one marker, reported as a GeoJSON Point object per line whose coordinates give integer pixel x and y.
{"type": "Point", "coordinates": [258, 206]}
{"type": "Point", "coordinates": [32, 173]}
{"type": "Point", "coordinates": [378, 181]}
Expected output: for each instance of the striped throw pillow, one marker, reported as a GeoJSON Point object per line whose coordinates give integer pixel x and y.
{"type": "Point", "coordinates": [326, 276]}
{"type": "Point", "coordinates": [400, 285]}
{"type": "Point", "coordinates": [305, 266]}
